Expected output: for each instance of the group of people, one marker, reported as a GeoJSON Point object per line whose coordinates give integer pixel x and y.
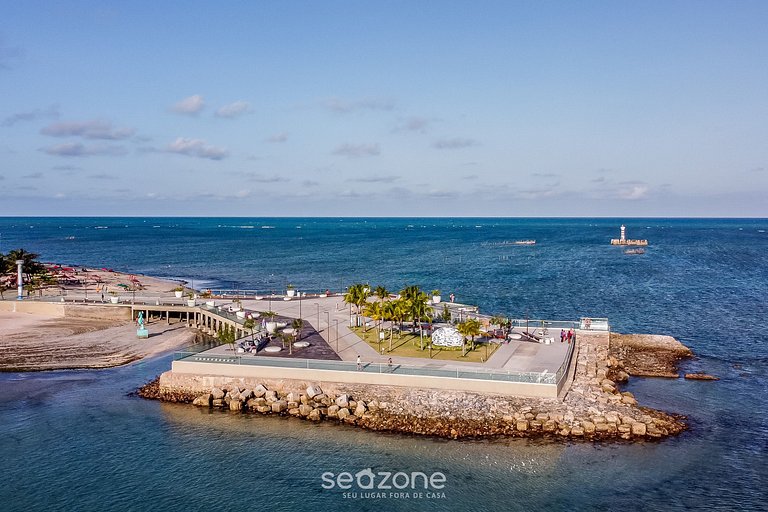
{"type": "Point", "coordinates": [566, 336]}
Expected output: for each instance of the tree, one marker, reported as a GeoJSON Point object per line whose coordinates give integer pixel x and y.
{"type": "Point", "coordinates": [382, 293]}
{"type": "Point", "coordinates": [226, 335]}
{"type": "Point", "coordinates": [357, 294]}
{"type": "Point", "coordinates": [248, 325]}
{"type": "Point", "coordinates": [419, 311]}
{"type": "Point", "coordinates": [392, 311]}
{"type": "Point", "coordinates": [446, 314]}
{"type": "Point", "coordinates": [30, 265]}
{"type": "Point", "coordinates": [375, 311]}
{"type": "Point", "coordinates": [469, 327]}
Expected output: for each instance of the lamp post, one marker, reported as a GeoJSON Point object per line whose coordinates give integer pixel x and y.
{"type": "Point", "coordinates": [328, 323]}
{"type": "Point", "coordinates": [318, 316]}
{"type": "Point", "coordinates": [337, 336]}
{"type": "Point", "coordinates": [19, 279]}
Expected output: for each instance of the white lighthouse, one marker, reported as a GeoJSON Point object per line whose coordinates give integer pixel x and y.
{"type": "Point", "coordinates": [624, 241]}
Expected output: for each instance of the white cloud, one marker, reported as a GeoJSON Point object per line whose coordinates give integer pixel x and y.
{"type": "Point", "coordinates": [78, 149]}
{"type": "Point", "coordinates": [51, 112]}
{"type": "Point", "coordinates": [93, 129]}
{"type": "Point", "coordinates": [413, 124]}
{"type": "Point", "coordinates": [342, 106]}
{"type": "Point", "coordinates": [196, 148]}
{"type": "Point", "coordinates": [632, 191]}
{"type": "Point", "coordinates": [357, 150]}
{"type": "Point", "coordinates": [233, 109]}
{"type": "Point", "coordinates": [376, 179]}
{"type": "Point", "coordinates": [189, 106]}
{"type": "Point", "coordinates": [454, 143]}
{"type": "Point", "coordinates": [277, 138]}
{"type": "Point", "coordinates": [260, 178]}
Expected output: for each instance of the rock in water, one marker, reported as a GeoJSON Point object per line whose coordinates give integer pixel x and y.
{"type": "Point", "coordinates": [203, 400]}
{"type": "Point", "coordinates": [700, 376]}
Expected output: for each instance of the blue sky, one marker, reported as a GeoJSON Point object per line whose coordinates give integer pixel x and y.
{"type": "Point", "coordinates": [384, 108]}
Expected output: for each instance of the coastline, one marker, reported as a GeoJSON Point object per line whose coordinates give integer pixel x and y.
{"type": "Point", "coordinates": [593, 408]}
{"type": "Point", "coordinates": [41, 336]}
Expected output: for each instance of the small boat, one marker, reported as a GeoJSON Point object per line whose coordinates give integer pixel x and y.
{"type": "Point", "coordinates": [525, 242]}
{"type": "Point", "coordinates": [635, 251]}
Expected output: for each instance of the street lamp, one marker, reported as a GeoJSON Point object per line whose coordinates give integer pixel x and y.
{"type": "Point", "coordinates": [337, 335]}
{"type": "Point", "coordinates": [328, 323]}
{"type": "Point", "coordinates": [318, 316]}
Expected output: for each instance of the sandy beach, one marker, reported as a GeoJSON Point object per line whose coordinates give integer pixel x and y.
{"type": "Point", "coordinates": [32, 342]}
{"type": "Point", "coordinates": [87, 337]}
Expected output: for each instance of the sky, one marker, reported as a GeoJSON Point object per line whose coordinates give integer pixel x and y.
{"type": "Point", "coordinates": [384, 108]}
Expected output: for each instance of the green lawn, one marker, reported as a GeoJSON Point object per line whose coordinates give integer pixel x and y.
{"type": "Point", "coordinates": [407, 345]}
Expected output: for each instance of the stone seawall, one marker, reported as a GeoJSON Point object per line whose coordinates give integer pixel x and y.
{"type": "Point", "coordinates": [593, 407]}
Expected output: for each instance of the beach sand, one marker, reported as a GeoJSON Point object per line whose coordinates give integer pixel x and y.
{"type": "Point", "coordinates": [34, 342]}
{"type": "Point", "coordinates": [81, 280]}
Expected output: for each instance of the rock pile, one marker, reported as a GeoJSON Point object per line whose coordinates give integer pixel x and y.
{"type": "Point", "coordinates": [593, 408]}
{"type": "Point", "coordinates": [313, 404]}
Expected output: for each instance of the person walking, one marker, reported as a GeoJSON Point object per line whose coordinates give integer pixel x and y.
{"type": "Point", "coordinates": [359, 363]}
{"type": "Point", "coordinates": [562, 335]}
{"type": "Point", "coordinates": [570, 335]}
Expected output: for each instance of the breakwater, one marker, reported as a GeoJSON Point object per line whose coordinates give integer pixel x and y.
{"type": "Point", "coordinates": [592, 408]}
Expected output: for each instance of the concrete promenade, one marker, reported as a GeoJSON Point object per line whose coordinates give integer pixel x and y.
{"type": "Point", "coordinates": [332, 323]}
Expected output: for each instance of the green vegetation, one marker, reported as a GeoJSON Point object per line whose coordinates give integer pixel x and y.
{"type": "Point", "coordinates": [407, 345]}
{"type": "Point", "coordinates": [36, 276]}
{"type": "Point", "coordinates": [226, 334]}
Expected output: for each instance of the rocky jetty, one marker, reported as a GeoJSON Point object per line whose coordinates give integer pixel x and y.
{"type": "Point", "coordinates": [648, 355]}
{"type": "Point", "coordinates": [593, 407]}
{"type": "Point", "coordinates": [700, 376]}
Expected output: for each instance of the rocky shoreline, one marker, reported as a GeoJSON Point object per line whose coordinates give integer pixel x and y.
{"type": "Point", "coordinates": [594, 408]}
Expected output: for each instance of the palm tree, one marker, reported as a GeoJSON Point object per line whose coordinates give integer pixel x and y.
{"type": "Point", "coordinates": [392, 311]}
{"type": "Point", "coordinates": [297, 325]}
{"type": "Point", "coordinates": [469, 327]}
{"type": "Point", "coordinates": [357, 294]}
{"type": "Point", "coordinates": [382, 293]}
{"type": "Point", "coordinates": [375, 311]}
{"type": "Point", "coordinates": [248, 325]}
{"type": "Point", "coordinates": [419, 311]}
{"type": "Point", "coordinates": [30, 266]}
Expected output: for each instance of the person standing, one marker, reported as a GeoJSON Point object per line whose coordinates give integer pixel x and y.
{"type": "Point", "coordinates": [570, 335]}
{"type": "Point", "coordinates": [562, 335]}
{"type": "Point", "coordinates": [359, 363]}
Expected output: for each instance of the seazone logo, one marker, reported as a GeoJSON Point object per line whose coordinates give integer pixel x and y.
{"type": "Point", "coordinates": [386, 484]}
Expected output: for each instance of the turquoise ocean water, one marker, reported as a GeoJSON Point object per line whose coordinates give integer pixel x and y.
{"type": "Point", "coordinates": [77, 440]}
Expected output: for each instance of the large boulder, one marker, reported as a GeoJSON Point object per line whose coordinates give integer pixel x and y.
{"type": "Point", "coordinates": [203, 400]}
{"type": "Point", "coordinates": [217, 394]}
{"type": "Point", "coordinates": [360, 409]}
{"type": "Point", "coordinates": [235, 405]}
{"type": "Point", "coordinates": [342, 401]}
{"type": "Point", "coordinates": [279, 406]}
{"type": "Point", "coordinates": [259, 391]}
{"type": "Point", "coordinates": [312, 391]}
{"type": "Point", "coordinates": [343, 413]}
{"type": "Point", "coordinates": [639, 429]}
{"type": "Point", "coordinates": [333, 411]}
{"type": "Point", "coordinates": [271, 395]}
{"type": "Point", "coordinates": [305, 409]}
{"type": "Point", "coordinates": [314, 415]}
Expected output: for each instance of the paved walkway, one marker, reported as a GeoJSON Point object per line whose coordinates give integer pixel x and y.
{"type": "Point", "coordinates": [330, 318]}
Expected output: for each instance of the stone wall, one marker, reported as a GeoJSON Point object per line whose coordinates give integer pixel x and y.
{"type": "Point", "coordinates": [593, 408]}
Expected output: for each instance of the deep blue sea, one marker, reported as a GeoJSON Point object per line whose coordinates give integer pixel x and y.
{"type": "Point", "coordinates": [77, 440]}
